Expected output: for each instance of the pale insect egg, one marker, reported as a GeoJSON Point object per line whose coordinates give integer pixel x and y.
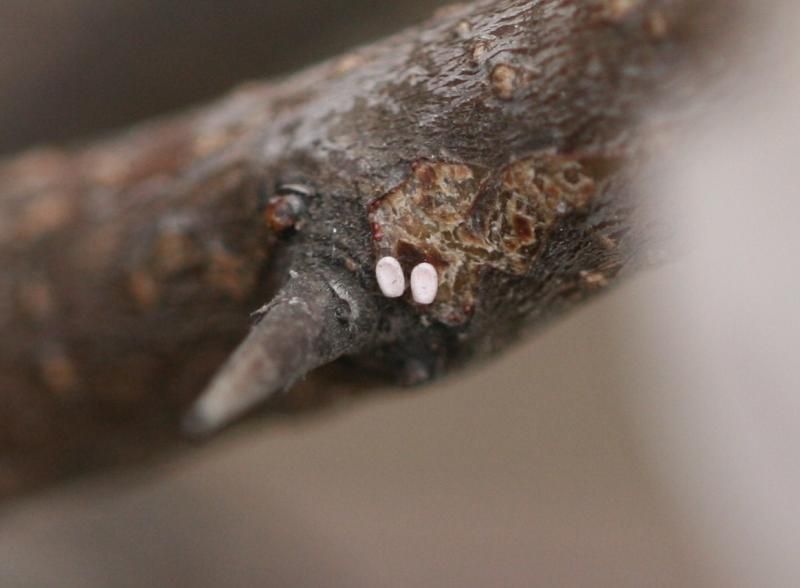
{"type": "Point", "coordinates": [390, 277]}
{"type": "Point", "coordinates": [424, 283]}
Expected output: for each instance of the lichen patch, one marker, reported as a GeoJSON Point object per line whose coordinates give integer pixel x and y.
{"type": "Point", "coordinates": [229, 273]}
{"type": "Point", "coordinates": [349, 63]}
{"type": "Point", "coordinates": [143, 289]}
{"type": "Point", "coordinates": [657, 25]}
{"type": "Point", "coordinates": [479, 49]}
{"type": "Point", "coordinates": [175, 248]}
{"type": "Point", "coordinates": [504, 80]}
{"type": "Point", "coordinates": [463, 220]}
{"type": "Point", "coordinates": [59, 373]}
{"type": "Point", "coordinates": [45, 214]}
{"type": "Point", "coordinates": [617, 10]}
{"type": "Point", "coordinates": [35, 299]}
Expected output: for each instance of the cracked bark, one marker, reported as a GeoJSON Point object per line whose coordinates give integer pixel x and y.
{"type": "Point", "coordinates": [498, 141]}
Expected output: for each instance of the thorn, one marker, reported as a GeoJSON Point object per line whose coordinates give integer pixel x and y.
{"type": "Point", "coordinates": [297, 332]}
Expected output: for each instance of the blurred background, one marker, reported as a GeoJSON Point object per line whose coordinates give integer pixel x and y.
{"type": "Point", "coordinates": [649, 439]}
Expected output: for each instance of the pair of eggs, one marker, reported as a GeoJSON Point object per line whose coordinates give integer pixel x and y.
{"type": "Point", "coordinates": [392, 281]}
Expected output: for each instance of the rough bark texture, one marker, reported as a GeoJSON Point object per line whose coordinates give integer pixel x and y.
{"type": "Point", "coordinates": [494, 141]}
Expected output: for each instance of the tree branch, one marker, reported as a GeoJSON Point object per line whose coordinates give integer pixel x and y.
{"type": "Point", "coordinates": [494, 142]}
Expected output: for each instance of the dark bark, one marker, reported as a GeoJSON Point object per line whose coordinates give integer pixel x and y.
{"type": "Point", "coordinates": [496, 141]}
